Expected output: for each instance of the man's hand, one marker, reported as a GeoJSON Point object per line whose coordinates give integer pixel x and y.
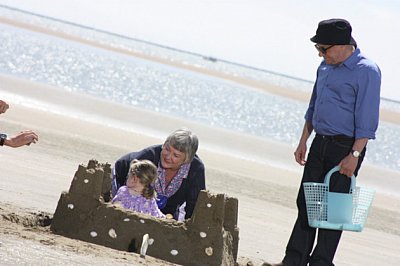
{"type": "Point", "coordinates": [300, 153]}
{"type": "Point", "coordinates": [348, 165]}
{"type": "Point", "coordinates": [3, 106]}
{"type": "Point", "coordinates": [26, 137]}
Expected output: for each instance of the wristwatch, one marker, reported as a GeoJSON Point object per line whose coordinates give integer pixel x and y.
{"type": "Point", "coordinates": [355, 153]}
{"type": "Point", "coordinates": [3, 138]}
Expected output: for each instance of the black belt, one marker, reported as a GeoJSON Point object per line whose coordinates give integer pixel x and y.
{"type": "Point", "coordinates": [336, 137]}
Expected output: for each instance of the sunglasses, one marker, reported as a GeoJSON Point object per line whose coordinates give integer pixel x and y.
{"type": "Point", "coordinates": [323, 50]}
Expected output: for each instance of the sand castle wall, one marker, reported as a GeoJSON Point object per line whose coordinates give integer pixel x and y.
{"type": "Point", "coordinates": [210, 237]}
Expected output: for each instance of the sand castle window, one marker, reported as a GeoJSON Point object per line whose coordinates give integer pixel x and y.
{"type": "Point", "coordinates": [209, 251]}
{"type": "Point", "coordinates": [112, 233]}
{"type": "Point", "coordinates": [174, 252]}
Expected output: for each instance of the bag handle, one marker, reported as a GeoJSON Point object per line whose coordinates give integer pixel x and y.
{"type": "Point", "coordinates": [336, 169]}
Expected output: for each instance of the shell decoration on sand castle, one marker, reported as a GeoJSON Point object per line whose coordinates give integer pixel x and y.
{"type": "Point", "coordinates": [210, 237]}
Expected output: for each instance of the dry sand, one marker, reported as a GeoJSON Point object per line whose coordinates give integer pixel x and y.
{"type": "Point", "coordinates": [32, 178]}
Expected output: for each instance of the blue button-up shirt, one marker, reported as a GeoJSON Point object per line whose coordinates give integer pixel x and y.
{"type": "Point", "coordinates": [345, 98]}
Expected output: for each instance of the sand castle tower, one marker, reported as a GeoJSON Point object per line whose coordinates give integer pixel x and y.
{"type": "Point", "coordinates": [210, 237]}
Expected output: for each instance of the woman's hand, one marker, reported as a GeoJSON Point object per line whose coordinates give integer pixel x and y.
{"type": "Point", "coordinates": [169, 216]}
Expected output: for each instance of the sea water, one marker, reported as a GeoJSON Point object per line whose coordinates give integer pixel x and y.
{"type": "Point", "coordinates": [169, 90]}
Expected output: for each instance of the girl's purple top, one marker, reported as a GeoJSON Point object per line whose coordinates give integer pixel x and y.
{"type": "Point", "coordinates": [137, 203]}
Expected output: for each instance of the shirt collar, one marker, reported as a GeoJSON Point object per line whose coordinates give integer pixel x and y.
{"type": "Point", "coordinates": [350, 62]}
{"type": "Point", "coordinates": [353, 59]}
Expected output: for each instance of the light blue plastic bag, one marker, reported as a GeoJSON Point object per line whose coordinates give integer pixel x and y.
{"type": "Point", "coordinates": [340, 207]}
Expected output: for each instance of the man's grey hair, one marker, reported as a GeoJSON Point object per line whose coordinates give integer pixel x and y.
{"type": "Point", "coordinates": [184, 141]}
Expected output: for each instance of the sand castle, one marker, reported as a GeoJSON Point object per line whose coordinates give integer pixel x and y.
{"type": "Point", "coordinates": [210, 237]}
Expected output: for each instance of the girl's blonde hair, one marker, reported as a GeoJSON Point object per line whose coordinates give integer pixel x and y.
{"type": "Point", "coordinates": [146, 171]}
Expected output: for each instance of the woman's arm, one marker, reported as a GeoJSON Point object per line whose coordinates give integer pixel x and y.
{"type": "Point", "coordinates": [196, 184]}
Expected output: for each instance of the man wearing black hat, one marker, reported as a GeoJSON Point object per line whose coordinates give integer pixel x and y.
{"type": "Point", "coordinates": [344, 113]}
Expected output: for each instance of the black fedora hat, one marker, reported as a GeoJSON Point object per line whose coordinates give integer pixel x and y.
{"type": "Point", "coordinates": [335, 32]}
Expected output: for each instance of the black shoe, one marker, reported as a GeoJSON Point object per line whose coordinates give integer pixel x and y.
{"type": "Point", "coordinates": [272, 264]}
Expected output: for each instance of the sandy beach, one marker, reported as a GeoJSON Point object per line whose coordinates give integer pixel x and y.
{"type": "Point", "coordinates": [32, 178]}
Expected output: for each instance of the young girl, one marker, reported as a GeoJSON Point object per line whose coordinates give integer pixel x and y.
{"type": "Point", "coordinates": [138, 194]}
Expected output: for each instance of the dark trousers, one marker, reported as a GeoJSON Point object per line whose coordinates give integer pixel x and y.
{"type": "Point", "coordinates": [324, 154]}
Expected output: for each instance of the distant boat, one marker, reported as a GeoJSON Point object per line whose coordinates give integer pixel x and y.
{"type": "Point", "coordinates": [210, 58]}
